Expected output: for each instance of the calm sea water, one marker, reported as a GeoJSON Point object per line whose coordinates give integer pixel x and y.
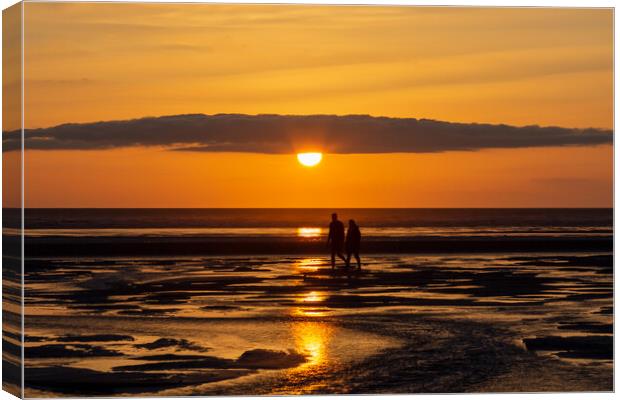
{"type": "Point", "coordinates": [313, 222]}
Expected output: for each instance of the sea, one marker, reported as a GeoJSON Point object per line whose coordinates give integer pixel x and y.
{"type": "Point", "coordinates": [299, 222]}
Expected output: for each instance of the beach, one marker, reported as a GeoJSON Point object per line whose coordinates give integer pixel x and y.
{"type": "Point", "coordinates": [183, 323]}
{"type": "Point", "coordinates": [402, 325]}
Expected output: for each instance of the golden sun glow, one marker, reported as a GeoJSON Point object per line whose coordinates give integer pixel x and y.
{"type": "Point", "coordinates": [312, 339]}
{"type": "Point", "coordinates": [311, 301]}
{"type": "Point", "coordinates": [309, 264]}
{"type": "Point", "coordinates": [309, 232]}
{"type": "Point", "coordinates": [312, 297]}
{"type": "Point", "coordinates": [309, 159]}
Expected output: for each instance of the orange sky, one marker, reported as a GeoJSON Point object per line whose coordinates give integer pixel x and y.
{"type": "Point", "coordinates": [94, 62]}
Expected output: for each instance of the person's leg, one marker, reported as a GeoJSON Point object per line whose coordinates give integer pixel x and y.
{"type": "Point", "coordinates": [333, 258]}
{"type": "Point", "coordinates": [348, 261]}
{"type": "Point", "coordinates": [359, 262]}
{"type": "Point", "coordinates": [342, 256]}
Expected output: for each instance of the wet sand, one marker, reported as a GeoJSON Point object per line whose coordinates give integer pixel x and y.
{"type": "Point", "coordinates": [289, 325]}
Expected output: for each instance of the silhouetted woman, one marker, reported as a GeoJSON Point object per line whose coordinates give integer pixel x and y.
{"type": "Point", "coordinates": [352, 243]}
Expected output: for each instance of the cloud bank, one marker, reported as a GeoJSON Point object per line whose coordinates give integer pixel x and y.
{"type": "Point", "coordinates": [278, 134]}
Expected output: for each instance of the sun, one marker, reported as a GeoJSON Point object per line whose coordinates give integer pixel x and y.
{"type": "Point", "coordinates": [309, 159]}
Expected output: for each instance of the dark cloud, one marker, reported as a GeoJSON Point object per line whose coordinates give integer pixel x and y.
{"type": "Point", "coordinates": [290, 133]}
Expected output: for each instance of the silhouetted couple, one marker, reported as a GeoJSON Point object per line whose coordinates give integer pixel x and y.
{"type": "Point", "coordinates": [337, 241]}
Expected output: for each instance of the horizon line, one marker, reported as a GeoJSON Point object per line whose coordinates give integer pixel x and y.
{"type": "Point", "coordinates": [313, 208]}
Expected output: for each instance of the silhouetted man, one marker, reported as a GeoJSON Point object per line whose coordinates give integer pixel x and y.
{"type": "Point", "coordinates": [335, 239]}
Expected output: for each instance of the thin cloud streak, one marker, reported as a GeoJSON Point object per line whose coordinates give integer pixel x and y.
{"type": "Point", "coordinates": [281, 134]}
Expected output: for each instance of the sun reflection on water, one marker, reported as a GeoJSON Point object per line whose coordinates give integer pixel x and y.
{"type": "Point", "coordinates": [312, 339]}
{"type": "Point", "coordinates": [309, 232]}
{"type": "Point", "coordinates": [309, 264]}
{"type": "Point", "coordinates": [309, 312]}
{"type": "Point", "coordinates": [312, 307]}
{"type": "Point", "coordinates": [312, 297]}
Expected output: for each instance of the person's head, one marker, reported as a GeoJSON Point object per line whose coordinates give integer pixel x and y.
{"type": "Point", "coordinates": [334, 217]}
{"type": "Point", "coordinates": [352, 223]}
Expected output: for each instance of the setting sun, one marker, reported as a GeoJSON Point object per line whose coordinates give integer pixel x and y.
{"type": "Point", "coordinates": [309, 159]}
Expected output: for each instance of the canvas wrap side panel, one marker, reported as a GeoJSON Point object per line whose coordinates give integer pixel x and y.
{"type": "Point", "coordinates": [12, 165]}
